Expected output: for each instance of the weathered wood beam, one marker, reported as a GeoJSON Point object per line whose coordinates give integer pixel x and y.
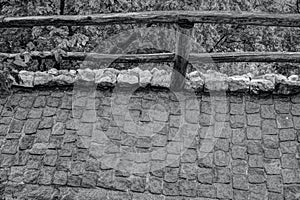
{"type": "Point", "coordinates": [96, 57]}
{"type": "Point", "coordinates": [264, 57]}
{"type": "Point", "coordinates": [244, 18]}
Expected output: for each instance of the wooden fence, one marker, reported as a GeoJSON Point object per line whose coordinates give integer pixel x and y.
{"type": "Point", "coordinates": [185, 21]}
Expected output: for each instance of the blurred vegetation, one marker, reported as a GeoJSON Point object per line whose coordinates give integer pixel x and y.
{"type": "Point", "coordinates": [133, 38]}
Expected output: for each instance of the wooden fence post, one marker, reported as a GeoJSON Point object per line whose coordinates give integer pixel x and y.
{"type": "Point", "coordinates": [183, 48]}
{"type": "Point", "coordinates": [62, 7]}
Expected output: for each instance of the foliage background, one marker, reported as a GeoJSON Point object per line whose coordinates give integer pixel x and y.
{"type": "Point", "coordinates": [207, 37]}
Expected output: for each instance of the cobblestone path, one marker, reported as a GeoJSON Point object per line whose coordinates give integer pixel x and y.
{"type": "Point", "coordinates": [153, 144]}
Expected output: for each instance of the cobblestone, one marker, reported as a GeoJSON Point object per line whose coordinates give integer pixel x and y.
{"type": "Point", "coordinates": [256, 161]}
{"type": "Point", "coordinates": [274, 183]}
{"type": "Point", "coordinates": [43, 136]}
{"type": "Point", "coordinates": [239, 152]}
{"type": "Point", "coordinates": [31, 126]}
{"type": "Point", "coordinates": [40, 101]}
{"type": "Point", "coordinates": [45, 176]}
{"type": "Point", "coordinates": [46, 123]}
{"type": "Point", "coordinates": [207, 191]}
{"type": "Point", "coordinates": [237, 121]}
{"type": "Point", "coordinates": [205, 175]}
{"type": "Point", "coordinates": [252, 107]}
{"type": "Point", "coordinates": [10, 147]}
{"type": "Point", "coordinates": [16, 126]}
{"type": "Point", "coordinates": [74, 181]}
{"type": "Point", "coordinates": [291, 192]}
{"type": "Point", "coordinates": [289, 161]}
{"type": "Point", "coordinates": [240, 194]}
{"type": "Point", "coordinates": [21, 114]}
{"type": "Point", "coordinates": [295, 109]}
{"type": "Point", "coordinates": [282, 106]}
{"type": "Point", "coordinates": [272, 153]}
{"type": "Point", "coordinates": [254, 120]}
{"type": "Point", "coordinates": [89, 180]}
{"type": "Point", "coordinates": [188, 171]}
{"type": "Point", "coordinates": [289, 147]}
{"type": "Point", "coordinates": [268, 111]}
{"type": "Point", "coordinates": [254, 147]}
{"type": "Point", "coordinates": [30, 176]}
{"type": "Point", "coordinates": [222, 175]}
{"type": "Point", "coordinates": [3, 130]}
{"type": "Point", "coordinates": [26, 142]}
{"type": "Point", "coordinates": [170, 189]}
{"type": "Point", "coordinates": [138, 184]}
{"type": "Point", "coordinates": [254, 133]}
{"type": "Point", "coordinates": [155, 185]}
{"type": "Point", "coordinates": [60, 178]}
{"type": "Point", "coordinates": [284, 121]}
{"type": "Point", "coordinates": [238, 136]}
{"type": "Point", "coordinates": [271, 141]}
{"type": "Point", "coordinates": [272, 166]}
{"type": "Point", "coordinates": [224, 191]}
{"type": "Point", "coordinates": [287, 135]}
{"type": "Point", "coordinates": [240, 182]}
{"type": "Point", "coordinates": [236, 109]}
{"type": "Point", "coordinates": [256, 176]}
{"type": "Point", "coordinates": [269, 127]}
{"type": "Point", "coordinates": [290, 176]}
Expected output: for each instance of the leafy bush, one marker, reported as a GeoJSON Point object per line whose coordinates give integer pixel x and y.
{"type": "Point", "coordinates": [207, 37]}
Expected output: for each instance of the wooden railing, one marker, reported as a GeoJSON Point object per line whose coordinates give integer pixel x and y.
{"type": "Point", "coordinates": [263, 57]}
{"type": "Point", "coordinates": [185, 21]}
{"type": "Point", "coordinates": [258, 19]}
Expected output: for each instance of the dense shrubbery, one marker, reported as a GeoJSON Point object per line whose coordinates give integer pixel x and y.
{"type": "Point", "coordinates": [208, 37]}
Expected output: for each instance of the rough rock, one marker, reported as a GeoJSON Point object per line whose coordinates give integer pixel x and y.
{"type": "Point", "coordinates": [27, 78]}
{"type": "Point", "coordinates": [127, 78]}
{"type": "Point", "coordinates": [63, 72]}
{"type": "Point", "coordinates": [283, 84]}
{"type": "Point", "coordinates": [98, 75]}
{"type": "Point", "coordinates": [261, 85]}
{"type": "Point", "coordinates": [215, 81]}
{"type": "Point", "coordinates": [86, 75]}
{"type": "Point", "coordinates": [288, 87]}
{"type": "Point", "coordinates": [161, 78]}
{"type": "Point", "coordinates": [239, 83]}
{"type": "Point", "coordinates": [108, 78]}
{"type": "Point", "coordinates": [293, 78]}
{"type": "Point", "coordinates": [145, 76]}
{"type": "Point", "coordinates": [73, 72]}
{"type": "Point", "coordinates": [43, 78]}
{"type": "Point", "coordinates": [275, 78]}
{"type": "Point", "coordinates": [194, 81]}
{"type": "Point", "coordinates": [53, 71]}
{"type": "Point", "coordinates": [64, 79]}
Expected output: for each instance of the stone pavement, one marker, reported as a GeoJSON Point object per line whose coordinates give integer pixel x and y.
{"type": "Point", "coordinates": [152, 144]}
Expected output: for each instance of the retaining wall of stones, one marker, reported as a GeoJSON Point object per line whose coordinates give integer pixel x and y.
{"type": "Point", "coordinates": [66, 143]}
{"type": "Point", "coordinates": [195, 81]}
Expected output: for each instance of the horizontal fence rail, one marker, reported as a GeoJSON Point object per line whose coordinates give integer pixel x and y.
{"type": "Point", "coordinates": [96, 57]}
{"type": "Point", "coordinates": [243, 18]}
{"type": "Point", "coordinates": [266, 57]}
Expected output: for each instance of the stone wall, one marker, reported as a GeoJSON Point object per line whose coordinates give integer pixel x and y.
{"type": "Point", "coordinates": [195, 81]}
{"type": "Point", "coordinates": [62, 143]}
